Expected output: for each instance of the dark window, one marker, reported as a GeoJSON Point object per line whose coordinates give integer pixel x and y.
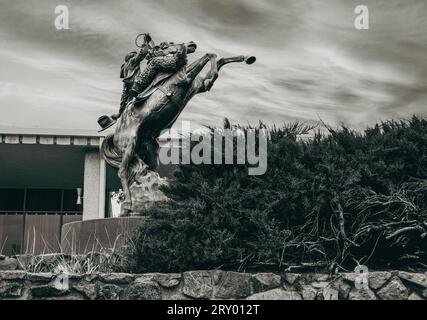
{"type": "Point", "coordinates": [70, 201]}
{"type": "Point", "coordinates": [11, 199]}
{"type": "Point", "coordinates": [43, 200]}
{"type": "Point", "coordinates": [11, 226]}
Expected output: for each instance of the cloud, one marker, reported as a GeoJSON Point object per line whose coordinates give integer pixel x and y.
{"type": "Point", "coordinates": [311, 61]}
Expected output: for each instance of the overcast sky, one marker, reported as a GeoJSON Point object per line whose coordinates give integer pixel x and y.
{"type": "Point", "coordinates": [312, 62]}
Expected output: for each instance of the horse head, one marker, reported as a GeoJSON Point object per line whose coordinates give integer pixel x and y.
{"type": "Point", "coordinates": [172, 48]}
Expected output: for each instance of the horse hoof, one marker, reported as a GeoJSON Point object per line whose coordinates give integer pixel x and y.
{"type": "Point", "coordinates": [250, 60]}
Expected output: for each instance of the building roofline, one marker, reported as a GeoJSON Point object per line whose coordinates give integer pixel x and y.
{"type": "Point", "coordinates": [81, 137]}
{"type": "Point", "coordinates": [52, 132]}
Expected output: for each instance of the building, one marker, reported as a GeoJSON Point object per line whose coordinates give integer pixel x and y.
{"type": "Point", "coordinates": [48, 179]}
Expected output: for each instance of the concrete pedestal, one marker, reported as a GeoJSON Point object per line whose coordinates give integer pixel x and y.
{"type": "Point", "coordinates": [101, 235]}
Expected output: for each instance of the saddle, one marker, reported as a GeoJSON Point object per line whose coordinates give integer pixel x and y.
{"type": "Point", "coordinates": [143, 96]}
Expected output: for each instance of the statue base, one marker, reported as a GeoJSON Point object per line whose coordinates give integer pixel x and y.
{"type": "Point", "coordinates": [145, 192]}
{"type": "Point", "coordinates": [101, 235]}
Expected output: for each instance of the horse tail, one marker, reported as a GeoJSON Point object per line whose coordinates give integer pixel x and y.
{"type": "Point", "coordinates": [114, 157]}
{"type": "Point", "coordinates": [110, 153]}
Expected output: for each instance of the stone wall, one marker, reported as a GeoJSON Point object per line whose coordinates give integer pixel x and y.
{"type": "Point", "coordinates": [211, 285]}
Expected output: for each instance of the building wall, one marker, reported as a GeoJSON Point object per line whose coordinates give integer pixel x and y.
{"type": "Point", "coordinates": [48, 163]}
{"type": "Point", "coordinates": [94, 186]}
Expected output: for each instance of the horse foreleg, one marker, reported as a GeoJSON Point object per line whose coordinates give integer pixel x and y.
{"type": "Point", "coordinates": [123, 175]}
{"type": "Point", "coordinates": [194, 78]}
{"type": "Point", "coordinates": [205, 83]}
{"type": "Point", "coordinates": [224, 61]}
{"type": "Point", "coordinates": [194, 69]}
{"type": "Point", "coordinates": [212, 75]}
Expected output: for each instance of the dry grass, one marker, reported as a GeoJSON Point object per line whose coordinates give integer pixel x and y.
{"type": "Point", "coordinates": [98, 258]}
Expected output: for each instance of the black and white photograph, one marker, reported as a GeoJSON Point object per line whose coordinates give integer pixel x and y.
{"type": "Point", "coordinates": [213, 155]}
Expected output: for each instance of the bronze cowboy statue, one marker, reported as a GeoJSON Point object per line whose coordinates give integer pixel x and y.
{"type": "Point", "coordinates": [166, 57]}
{"type": "Point", "coordinates": [157, 97]}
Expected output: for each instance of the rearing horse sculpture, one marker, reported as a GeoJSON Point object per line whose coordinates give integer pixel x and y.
{"type": "Point", "coordinates": [133, 148]}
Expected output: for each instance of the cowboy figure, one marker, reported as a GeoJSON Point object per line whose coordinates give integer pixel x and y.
{"type": "Point", "coordinates": [129, 70]}
{"type": "Point", "coordinates": [160, 59]}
